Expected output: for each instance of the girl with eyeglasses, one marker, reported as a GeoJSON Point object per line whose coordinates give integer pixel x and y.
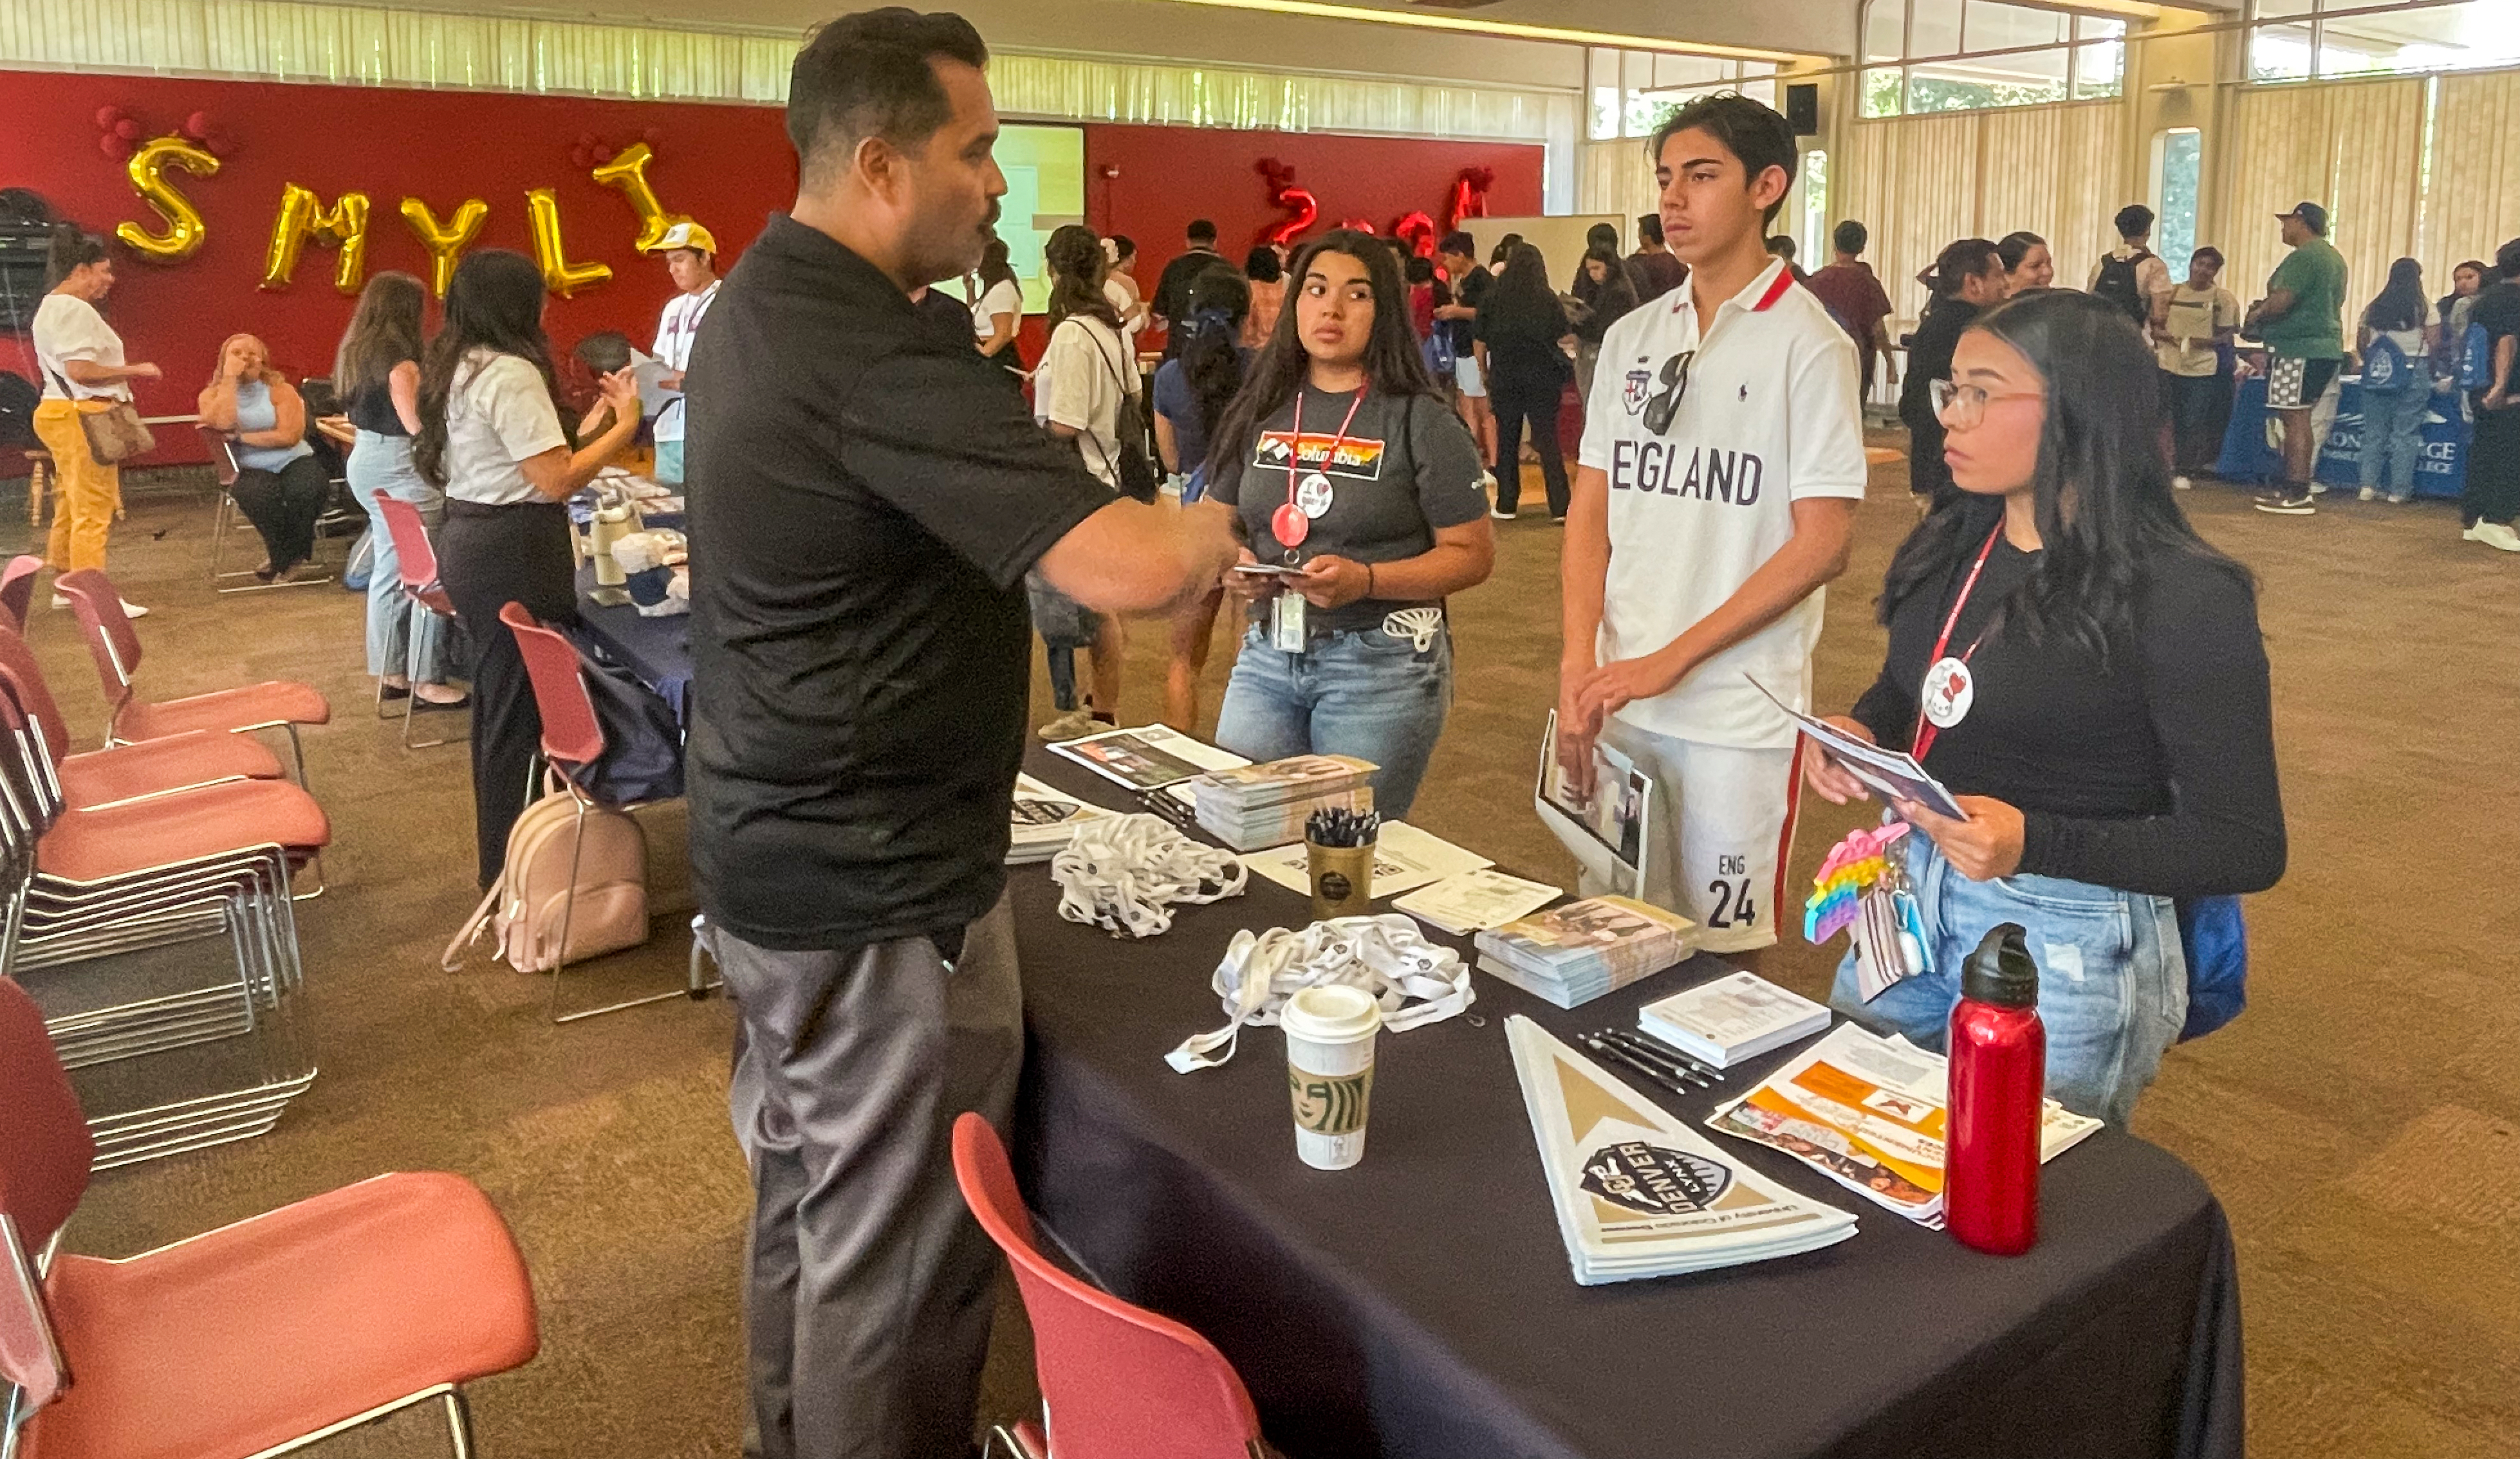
{"type": "Point", "coordinates": [2086, 674]}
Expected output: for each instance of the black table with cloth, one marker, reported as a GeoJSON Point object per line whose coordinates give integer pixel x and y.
{"type": "Point", "coordinates": [1422, 1304]}
{"type": "Point", "coordinates": [658, 651]}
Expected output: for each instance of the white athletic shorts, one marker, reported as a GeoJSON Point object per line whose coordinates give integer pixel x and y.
{"type": "Point", "coordinates": [1466, 371]}
{"type": "Point", "coordinates": [1723, 829]}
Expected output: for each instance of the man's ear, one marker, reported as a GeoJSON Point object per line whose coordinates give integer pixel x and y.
{"type": "Point", "coordinates": [1769, 188]}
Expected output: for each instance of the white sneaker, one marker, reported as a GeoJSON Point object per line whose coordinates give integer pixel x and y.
{"type": "Point", "coordinates": [132, 610]}
{"type": "Point", "coordinates": [2183, 483]}
{"type": "Point", "coordinates": [2319, 488]}
{"type": "Point", "coordinates": [1487, 480]}
{"type": "Point", "coordinates": [2468, 536]}
{"type": "Point", "coordinates": [2367, 494]}
{"type": "Point", "coordinates": [61, 600]}
{"type": "Point", "coordinates": [2498, 535]}
{"type": "Point", "coordinates": [1501, 517]}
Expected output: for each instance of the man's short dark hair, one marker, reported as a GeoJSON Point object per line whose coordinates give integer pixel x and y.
{"type": "Point", "coordinates": [871, 74]}
{"type": "Point", "coordinates": [1200, 231]}
{"type": "Point", "coordinates": [2506, 260]}
{"type": "Point", "coordinates": [1602, 236]}
{"type": "Point", "coordinates": [2135, 220]}
{"type": "Point", "coordinates": [1849, 236]}
{"type": "Point", "coordinates": [1784, 246]}
{"type": "Point", "coordinates": [1649, 228]}
{"type": "Point", "coordinates": [1970, 258]}
{"type": "Point", "coordinates": [1458, 243]}
{"type": "Point", "coordinates": [2208, 251]}
{"type": "Point", "coordinates": [1756, 134]}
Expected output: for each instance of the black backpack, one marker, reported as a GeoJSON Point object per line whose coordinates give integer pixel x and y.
{"type": "Point", "coordinates": [2118, 284]}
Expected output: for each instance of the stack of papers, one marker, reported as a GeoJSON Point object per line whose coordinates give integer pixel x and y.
{"type": "Point", "coordinates": [1044, 820]}
{"type": "Point", "coordinates": [1475, 900]}
{"type": "Point", "coordinates": [1146, 758]}
{"type": "Point", "coordinates": [1736, 1017]}
{"type": "Point", "coordinates": [1574, 953]}
{"type": "Point", "coordinates": [1868, 1113]}
{"type": "Point", "coordinates": [1404, 857]}
{"type": "Point", "coordinates": [1637, 1193]}
{"type": "Point", "coordinates": [1259, 806]}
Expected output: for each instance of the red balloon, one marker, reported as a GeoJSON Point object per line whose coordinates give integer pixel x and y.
{"type": "Point", "coordinates": [220, 145]}
{"type": "Point", "coordinates": [1470, 197]}
{"type": "Point", "coordinates": [1299, 203]}
{"type": "Point", "coordinates": [1357, 225]}
{"type": "Point", "coordinates": [654, 136]}
{"type": "Point", "coordinates": [127, 129]}
{"type": "Point", "coordinates": [1417, 231]}
{"type": "Point", "coordinates": [198, 126]}
{"type": "Point", "coordinates": [112, 145]}
{"type": "Point", "coordinates": [106, 116]}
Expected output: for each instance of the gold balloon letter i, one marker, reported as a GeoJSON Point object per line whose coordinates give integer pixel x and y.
{"type": "Point", "coordinates": [629, 173]}
{"type": "Point", "coordinates": [559, 275]}
{"type": "Point", "coordinates": [303, 216]}
{"type": "Point", "coordinates": [185, 229]}
{"type": "Point", "coordinates": [446, 242]}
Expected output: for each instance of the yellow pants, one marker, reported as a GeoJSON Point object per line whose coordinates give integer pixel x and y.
{"type": "Point", "coordinates": [84, 493]}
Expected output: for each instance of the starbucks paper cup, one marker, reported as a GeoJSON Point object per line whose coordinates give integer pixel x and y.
{"type": "Point", "coordinates": [1330, 1071]}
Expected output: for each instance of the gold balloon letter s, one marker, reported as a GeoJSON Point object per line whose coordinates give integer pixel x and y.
{"type": "Point", "coordinates": [447, 240]}
{"type": "Point", "coordinates": [629, 173]}
{"type": "Point", "coordinates": [303, 216]}
{"type": "Point", "coordinates": [559, 275]}
{"type": "Point", "coordinates": [185, 229]}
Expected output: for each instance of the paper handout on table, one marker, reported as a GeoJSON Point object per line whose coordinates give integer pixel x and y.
{"type": "Point", "coordinates": [1148, 758]}
{"type": "Point", "coordinates": [1893, 774]}
{"type": "Point", "coordinates": [1636, 1192]}
{"type": "Point", "coordinates": [1573, 954]}
{"type": "Point", "coordinates": [1043, 820]}
{"type": "Point", "coordinates": [1736, 1017]}
{"type": "Point", "coordinates": [1476, 901]}
{"type": "Point", "coordinates": [1403, 858]}
{"type": "Point", "coordinates": [1868, 1112]}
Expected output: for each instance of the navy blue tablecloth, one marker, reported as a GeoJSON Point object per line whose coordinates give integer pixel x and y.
{"type": "Point", "coordinates": [658, 651]}
{"type": "Point", "coordinates": [2246, 455]}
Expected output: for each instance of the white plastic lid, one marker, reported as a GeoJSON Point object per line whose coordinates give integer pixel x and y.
{"type": "Point", "coordinates": [1332, 1013]}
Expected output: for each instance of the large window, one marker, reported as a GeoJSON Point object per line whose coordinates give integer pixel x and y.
{"type": "Point", "coordinates": [2297, 40]}
{"type": "Point", "coordinates": [2178, 169]}
{"type": "Point", "coordinates": [1633, 91]}
{"type": "Point", "coordinates": [1966, 55]}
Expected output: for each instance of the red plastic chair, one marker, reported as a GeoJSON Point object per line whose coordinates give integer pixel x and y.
{"type": "Point", "coordinates": [416, 559]}
{"type": "Point", "coordinates": [1118, 1382]}
{"type": "Point", "coordinates": [18, 588]}
{"type": "Point", "coordinates": [299, 1323]}
{"type": "Point", "coordinates": [105, 778]}
{"type": "Point", "coordinates": [223, 519]}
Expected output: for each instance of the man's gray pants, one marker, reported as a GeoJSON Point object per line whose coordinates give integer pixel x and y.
{"type": "Point", "coordinates": [869, 1288]}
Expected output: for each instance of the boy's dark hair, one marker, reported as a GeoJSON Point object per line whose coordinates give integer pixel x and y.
{"type": "Point", "coordinates": [1959, 262]}
{"type": "Point", "coordinates": [1756, 134]}
{"type": "Point", "coordinates": [1649, 228]}
{"type": "Point", "coordinates": [2135, 220]}
{"type": "Point", "coordinates": [1200, 231]}
{"type": "Point", "coordinates": [2506, 260]}
{"type": "Point", "coordinates": [1460, 243]}
{"type": "Point", "coordinates": [1602, 236]}
{"type": "Point", "coordinates": [1849, 236]}
{"type": "Point", "coordinates": [870, 74]}
{"type": "Point", "coordinates": [2208, 251]}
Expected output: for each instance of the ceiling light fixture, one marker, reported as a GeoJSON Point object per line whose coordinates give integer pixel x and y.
{"type": "Point", "coordinates": [1504, 30]}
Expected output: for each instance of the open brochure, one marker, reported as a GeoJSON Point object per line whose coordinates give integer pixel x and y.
{"type": "Point", "coordinates": [1893, 774]}
{"type": "Point", "coordinates": [1476, 901]}
{"type": "Point", "coordinates": [1868, 1112]}
{"type": "Point", "coordinates": [1609, 827]}
{"type": "Point", "coordinates": [1149, 757]}
{"type": "Point", "coordinates": [1043, 820]}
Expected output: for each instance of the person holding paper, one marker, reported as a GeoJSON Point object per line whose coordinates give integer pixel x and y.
{"type": "Point", "coordinates": [689, 251]}
{"type": "Point", "coordinates": [2086, 674]}
{"type": "Point", "coordinates": [1721, 462]}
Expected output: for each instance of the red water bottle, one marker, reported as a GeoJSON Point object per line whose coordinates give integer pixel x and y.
{"type": "Point", "coordinates": [1997, 1083]}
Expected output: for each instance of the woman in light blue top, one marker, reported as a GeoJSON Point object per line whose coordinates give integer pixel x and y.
{"type": "Point", "coordinates": [377, 373]}
{"type": "Point", "coordinates": [280, 486]}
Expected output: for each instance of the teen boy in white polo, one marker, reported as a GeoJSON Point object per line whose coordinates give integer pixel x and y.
{"type": "Point", "coordinates": [690, 255]}
{"type": "Point", "coordinates": [1721, 462]}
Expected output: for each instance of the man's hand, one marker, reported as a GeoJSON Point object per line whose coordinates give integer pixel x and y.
{"type": "Point", "coordinates": [620, 391]}
{"type": "Point", "coordinates": [1575, 733]}
{"type": "Point", "coordinates": [1613, 686]}
{"type": "Point", "coordinates": [1982, 848]}
{"type": "Point", "coordinates": [673, 382]}
{"type": "Point", "coordinates": [1832, 781]}
{"type": "Point", "coordinates": [1333, 581]}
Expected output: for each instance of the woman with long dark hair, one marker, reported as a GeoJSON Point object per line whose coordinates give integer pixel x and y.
{"type": "Point", "coordinates": [997, 309]}
{"type": "Point", "coordinates": [492, 437]}
{"type": "Point", "coordinates": [1519, 336]}
{"type": "Point", "coordinates": [1087, 371]}
{"type": "Point", "coordinates": [2086, 674]}
{"type": "Point", "coordinates": [1191, 392]}
{"type": "Point", "coordinates": [1967, 279]}
{"type": "Point", "coordinates": [2400, 330]}
{"type": "Point", "coordinates": [1608, 299]}
{"type": "Point", "coordinates": [375, 371]}
{"type": "Point", "coordinates": [1342, 463]}
{"type": "Point", "coordinates": [2027, 263]}
{"type": "Point", "coordinates": [280, 486]}
{"type": "Point", "coordinates": [82, 359]}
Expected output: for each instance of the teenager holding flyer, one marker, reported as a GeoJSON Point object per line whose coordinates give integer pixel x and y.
{"type": "Point", "coordinates": [1721, 462]}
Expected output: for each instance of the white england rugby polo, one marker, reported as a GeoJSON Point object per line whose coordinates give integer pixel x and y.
{"type": "Point", "coordinates": [1769, 411]}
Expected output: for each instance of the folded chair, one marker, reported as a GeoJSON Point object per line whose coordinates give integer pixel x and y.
{"type": "Point", "coordinates": [154, 766]}
{"type": "Point", "coordinates": [415, 558]}
{"type": "Point", "coordinates": [1118, 1382]}
{"type": "Point", "coordinates": [256, 1339]}
{"type": "Point", "coordinates": [224, 517]}
{"type": "Point", "coordinates": [18, 588]}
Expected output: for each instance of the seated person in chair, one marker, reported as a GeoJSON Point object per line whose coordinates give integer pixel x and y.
{"type": "Point", "coordinates": [280, 486]}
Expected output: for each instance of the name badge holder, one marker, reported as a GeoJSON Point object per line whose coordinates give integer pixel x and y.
{"type": "Point", "coordinates": [1286, 633]}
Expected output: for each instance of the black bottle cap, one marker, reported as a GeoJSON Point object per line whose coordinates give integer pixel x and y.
{"type": "Point", "coordinates": [2000, 971]}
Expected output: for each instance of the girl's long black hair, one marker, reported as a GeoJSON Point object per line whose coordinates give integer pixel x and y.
{"type": "Point", "coordinates": [2401, 304]}
{"type": "Point", "coordinates": [995, 265]}
{"type": "Point", "coordinates": [1074, 254]}
{"type": "Point", "coordinates": [494, 302]}
{"type": "Point", "coordinates": [2101, 487]}
{"type": "Point", "coordinates": [1523, 297]}
{"type": "Point", "coordinates": [1211, 352]}
{"type": "Point", "coordinates": [1392, 364]}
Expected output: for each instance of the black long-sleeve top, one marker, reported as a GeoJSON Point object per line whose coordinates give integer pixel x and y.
{"type": "Point", "coordinates": [2154, 773]}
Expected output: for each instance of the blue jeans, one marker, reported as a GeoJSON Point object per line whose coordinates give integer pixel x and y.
{"type": "Point", "coordinates": [2393, 433]}
{"type": "Point", "coordinates": [2112, 975]}
{"type": "Point", "coordinates": [381, 464]}
{"type": "Point", "coordinates": [1364, 694]}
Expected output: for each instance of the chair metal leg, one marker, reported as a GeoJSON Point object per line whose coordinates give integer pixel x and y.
{"type": "Point", "coordinates": [567, 913]}
{"type": "Point", "coordinates": [419, 613]}
{"type": "Point", "coordinates": [458, 1423]}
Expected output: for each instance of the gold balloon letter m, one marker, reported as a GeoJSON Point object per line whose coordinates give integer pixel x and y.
{"type": "Point", "coordinates": [185, 230]}
{"type": "Point", "coordinates": [303, 216]}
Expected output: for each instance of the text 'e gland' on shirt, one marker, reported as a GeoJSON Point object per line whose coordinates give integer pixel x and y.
{"type": "Point", "coordinates": [1760, 412]}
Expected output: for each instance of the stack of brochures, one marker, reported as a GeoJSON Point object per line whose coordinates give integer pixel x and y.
{"type": "Point", "coordinates": [1574, 953]}
{"type": "Point", "coordinates": [1255, 806]}
{"type": "Point", "coordinates": [1736, 1017]}
{"type": "Point", "coordinates": [1637, 1193]}
{"type": "Point", "coordinates": [1475, 900]}
{"type": "Point", "coordinates": [1868, 1112]}
{"type": "Point", "coordinates": [1149, 757]}
{"type": "Point", "coordinates": [1044, 820]}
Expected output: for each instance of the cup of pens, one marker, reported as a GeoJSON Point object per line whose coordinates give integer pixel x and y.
{"type": "Point", "coordinates": [1338, 851]}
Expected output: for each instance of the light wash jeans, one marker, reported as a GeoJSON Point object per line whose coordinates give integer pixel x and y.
{"type": "Point", "coordinates": [381, 464]}
{"type": "Point", "coordinates": [2393, 433]}
{"type": "Point", "coordinates": [2112, 975]}
{"type": "Point", "coordinates": [1364, 694]}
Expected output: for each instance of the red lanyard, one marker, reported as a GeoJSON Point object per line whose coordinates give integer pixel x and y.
{"type": "Point", "coordinates": [1296, 448]}
{"type": "Point", "coordinates": [1923, 739]}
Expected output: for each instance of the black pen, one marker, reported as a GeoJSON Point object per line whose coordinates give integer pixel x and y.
{"type": "Point", "coordinates": [1641, 1043]}
{"type": "Point", "coordinates": [1618, 1055]}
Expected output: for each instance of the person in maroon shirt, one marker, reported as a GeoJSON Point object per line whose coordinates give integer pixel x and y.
{"type": "Point", "coordinates": [1653, 271]}
{"type": "Point", "coordinates": [1854, 294]}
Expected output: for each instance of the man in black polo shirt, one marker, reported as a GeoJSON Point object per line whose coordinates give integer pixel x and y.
{"type": "Point", "coordinates": [861, 648]}
{"type": "Point", "coordinates": [1172, 286]}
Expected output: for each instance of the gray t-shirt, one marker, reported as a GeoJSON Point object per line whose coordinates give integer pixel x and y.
{"type": "Point", "coordinates": [1405, 467]}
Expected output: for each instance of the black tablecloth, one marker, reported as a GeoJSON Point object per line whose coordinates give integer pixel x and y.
{"type": "Point", "coordinates": [1420, 1304]}
{"type": "Point", "coordinates": [658, 651]}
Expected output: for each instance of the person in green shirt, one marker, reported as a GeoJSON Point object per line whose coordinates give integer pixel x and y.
{"type": "Point", "coordinates": [2300, 321]}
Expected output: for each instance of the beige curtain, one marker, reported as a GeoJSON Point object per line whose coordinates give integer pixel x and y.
{"type": "Point", "coordinates": [2355, 146]}
{"type": "Point", "coordinates": [1616, 181]}
{"type": "Point", "coordinates": [2473, 205]}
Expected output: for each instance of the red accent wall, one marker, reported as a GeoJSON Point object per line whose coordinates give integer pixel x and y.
{"type": "Point", "coordinates": [727, 165]}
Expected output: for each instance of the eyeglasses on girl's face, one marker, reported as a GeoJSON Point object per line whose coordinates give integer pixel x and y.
{"type": "Point", "coordinates": [1963, 407]}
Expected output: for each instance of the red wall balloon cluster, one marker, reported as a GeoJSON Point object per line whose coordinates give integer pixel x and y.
{"type": "Point", "coordinates": [1469, 199]}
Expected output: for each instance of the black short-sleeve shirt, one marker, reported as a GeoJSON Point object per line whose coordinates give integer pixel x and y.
{"type": "Point", "coordinates": [860, 640]}
{"type": "Point", "coordinates": [1405, 466]}
{"type": "Point", "coordinates": [2498, 312]}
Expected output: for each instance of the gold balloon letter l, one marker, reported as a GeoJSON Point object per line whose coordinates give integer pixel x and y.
{"type": "Point", "coordinates": [446, 242]}
{"type": "Point", "coordinates": [303, 216]}
{"type": "Point", "coordinates": [629, 173]}
{"type": "Point", "coordinates": [185, 229]}
{"type": "Point", "coordinates": [559, 275]}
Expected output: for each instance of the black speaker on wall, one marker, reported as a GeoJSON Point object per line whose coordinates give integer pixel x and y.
{"type": "Point", "coordinates": [1801, 109]}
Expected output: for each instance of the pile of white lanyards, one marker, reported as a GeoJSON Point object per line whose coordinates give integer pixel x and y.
{"type": "Point", "coordinates": [1386, 956]}
{"type": "Point", "coordinates": [1126, 875]}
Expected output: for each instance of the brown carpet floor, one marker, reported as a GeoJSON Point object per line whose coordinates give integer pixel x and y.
{"type": "Point", "coordinates": [2362, 1121]}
